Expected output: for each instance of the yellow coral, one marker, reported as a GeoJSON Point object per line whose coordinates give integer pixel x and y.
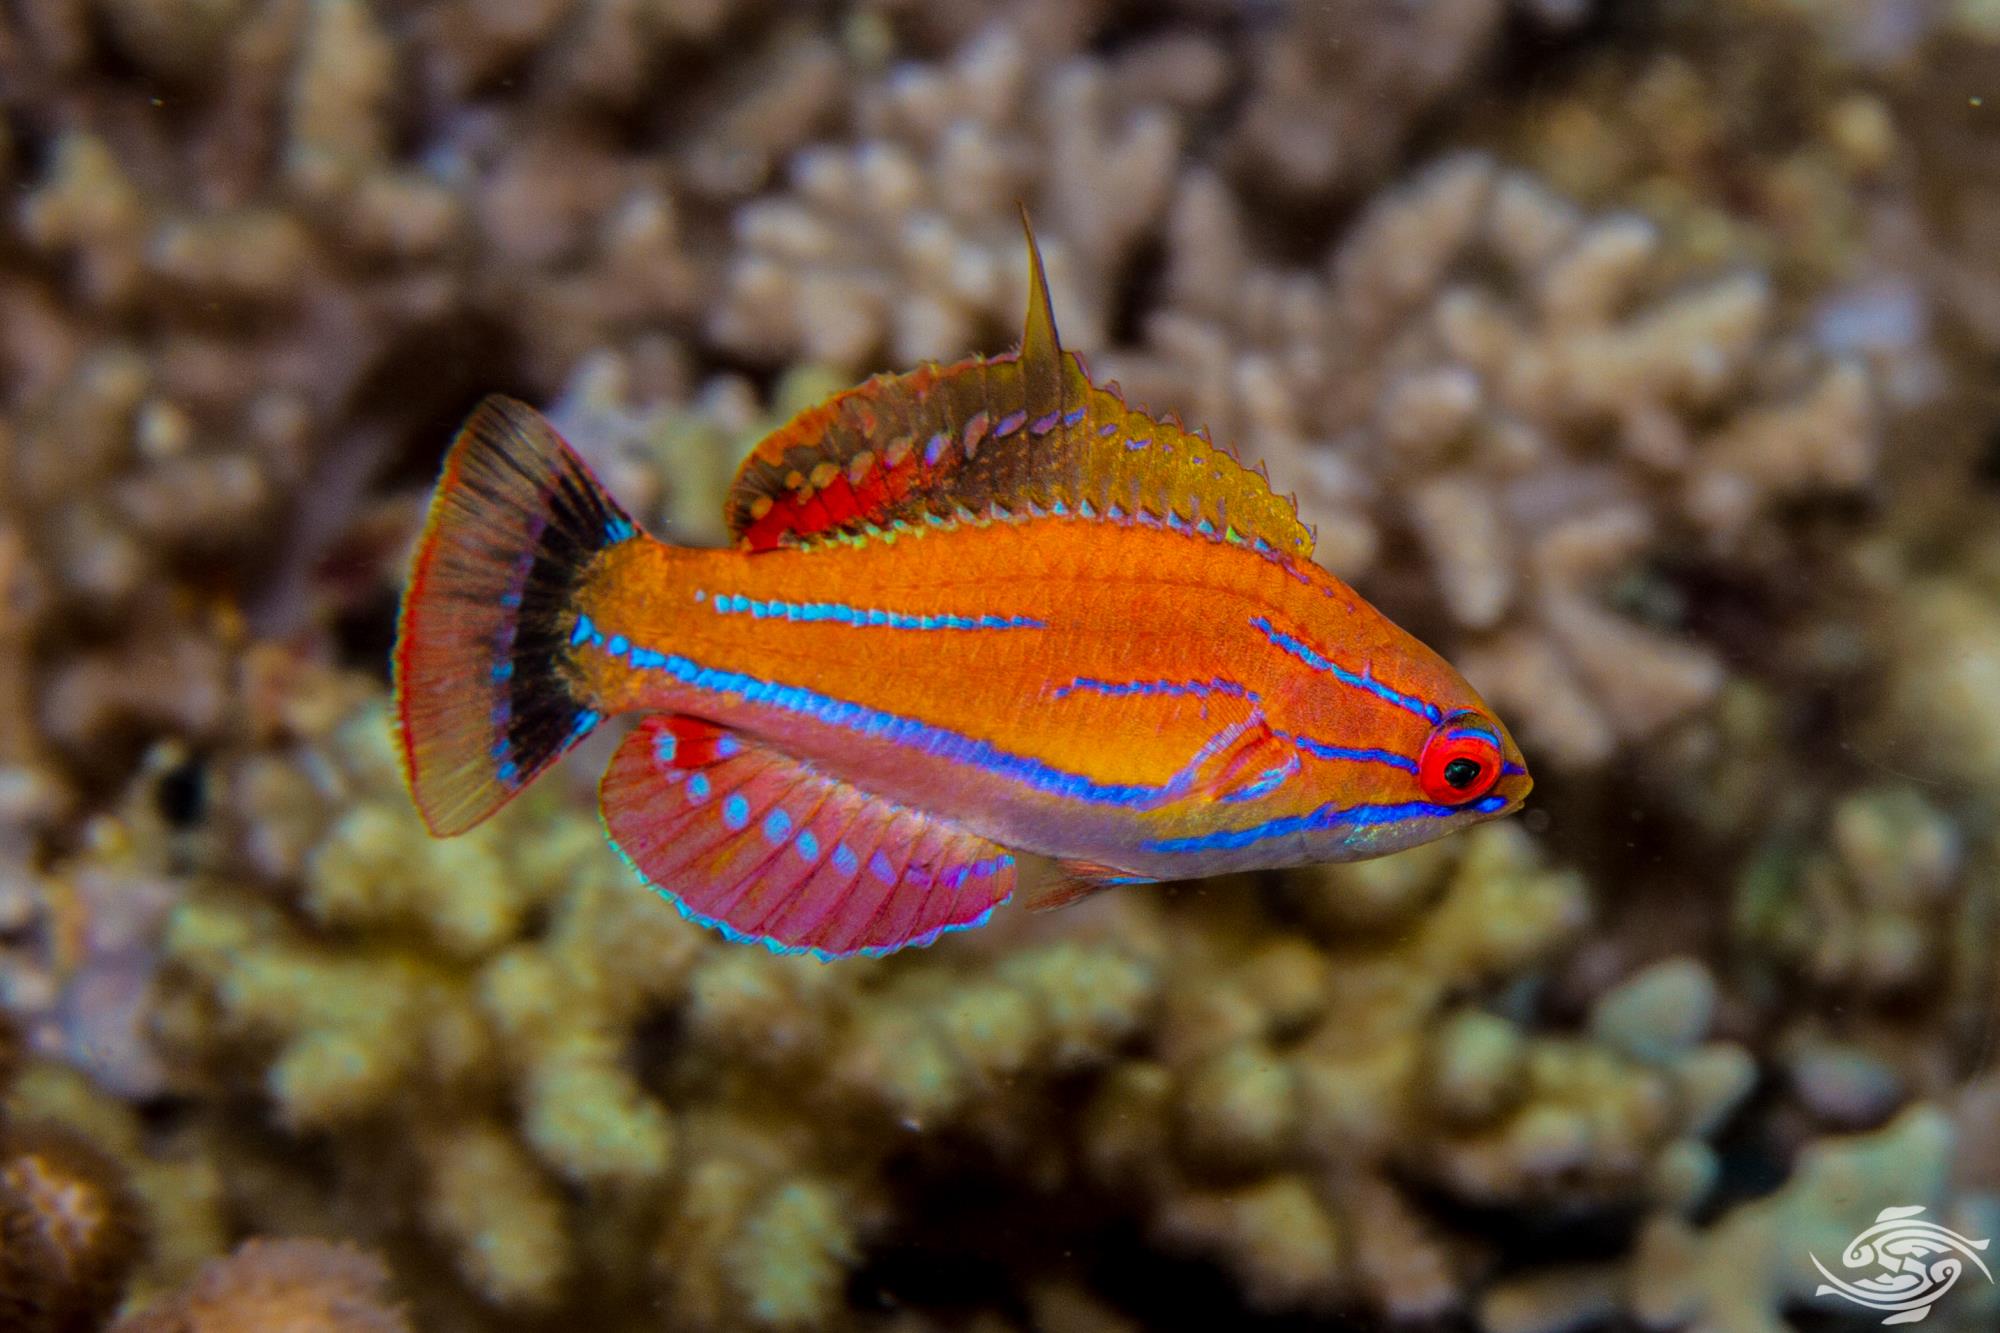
{"type": "Point", "coordinates": [501, 1219]}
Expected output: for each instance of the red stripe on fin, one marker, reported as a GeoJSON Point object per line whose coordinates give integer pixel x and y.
{"type": "Point", "coordinates": [762, 847]}
{"type": "Point", "coordinates": [484, 697]}
{"type": "Point", "coordinates": [1009, 434]}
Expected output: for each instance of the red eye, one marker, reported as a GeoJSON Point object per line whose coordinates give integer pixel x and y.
{"type": "Point", "coordinates": [1461, 762]}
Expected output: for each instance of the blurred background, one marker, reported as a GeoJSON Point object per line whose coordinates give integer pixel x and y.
{"type": "Point", "coordinates": [1642, 357]}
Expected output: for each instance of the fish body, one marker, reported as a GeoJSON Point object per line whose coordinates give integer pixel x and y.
{"type": "Point", "coordinates": [972, 610]}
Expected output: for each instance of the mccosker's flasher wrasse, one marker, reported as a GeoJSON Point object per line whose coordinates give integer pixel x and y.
{"type": "Point", "coordinates": [972, 610]}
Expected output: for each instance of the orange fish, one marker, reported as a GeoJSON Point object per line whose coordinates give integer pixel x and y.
{"type": "Point", "coordinates": [971, 610]}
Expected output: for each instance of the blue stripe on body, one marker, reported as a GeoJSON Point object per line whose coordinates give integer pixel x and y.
{"type": "Point", "coordinates": [1321, 750]}
{"type": "Point", "coordinates": [1360, 681]}
{"type": "Point", "coordinates": [909, 731]}
{"type": "Point", "coordinates": [1198, 688]}
{"type": "Point", "coordinates": [840, 614]}
{"type": "Point", "coordinates": [1326, 816]}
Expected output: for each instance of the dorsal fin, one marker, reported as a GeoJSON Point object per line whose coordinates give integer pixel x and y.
{"type": "Point", "coordinates": [1022, 433]}
{"type": "Point", "coordinates": [1041, 350]}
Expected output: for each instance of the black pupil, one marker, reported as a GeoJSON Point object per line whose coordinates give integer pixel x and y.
{"type": "Point", "coordinates": [1461, 773]}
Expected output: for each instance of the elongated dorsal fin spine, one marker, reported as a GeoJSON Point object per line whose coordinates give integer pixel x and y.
{"type": "Point", "coordinates": [996, 435]}
{"type": "Point", "coordinates": [1041, 350]}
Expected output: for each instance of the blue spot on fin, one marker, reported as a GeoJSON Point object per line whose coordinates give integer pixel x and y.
{"type": "Point", "coordinates": [788, 856]}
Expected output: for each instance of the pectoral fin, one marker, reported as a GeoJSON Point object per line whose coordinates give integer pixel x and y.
{"type": "Point", "coordinates": [1074, 881]}
{"type": "Point", "coordinates": [1250, 765]}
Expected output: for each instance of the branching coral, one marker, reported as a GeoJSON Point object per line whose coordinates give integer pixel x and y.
{"type": "Point", "coordinates": [904, 244]}
{"type": "Point", "coordinates": [204, 363]}
{"type": "Point", "coordinates": [1734, 1274]}
{"type": "Point", "coordinates": [347, 975]}
{"type": "Point", "coordinates": [1538, 399]}
{"type": "Point", "coordinates": [70, 1230]}
{"type": "Point", "coordinates": [1504, 383]}
{"type": "Point", "coordinates": [1282, 1088]}
{"type": "Point", "coordinates": [304, 1285]}
{"type": "Point", "coordinates": [1884, 922]}
{"type": "Point", "coordinates": [1336, 89]}
{"type": "Point", "coordinates": [1291, 1083]}
{"type": "Point", "coordinates": [666, 448]}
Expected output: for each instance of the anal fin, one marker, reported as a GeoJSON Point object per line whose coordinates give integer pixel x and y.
{"type": "Point", "coordinates": [764, 847]}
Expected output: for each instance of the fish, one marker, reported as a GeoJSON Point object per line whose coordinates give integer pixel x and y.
{"type": "Point", "coordinates": [972, 611]}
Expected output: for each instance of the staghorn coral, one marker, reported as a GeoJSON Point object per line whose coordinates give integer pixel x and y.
{"type": "Point", "coordinates": [203, 363]}
{"type": "Point", "coordinates": [1271, 1135]}
{"type": "Point", "coordinates": [668, 448]}
{"type": "Point", "coordinates": [903, 245]}
{"type": "Point", "coordinates": [1290, 1084]}
{"type": "Point", "coordinates": [83, 952]}
{"type": "Point", "coordinates": [1935, 712]}
{"type": "Point", "coordinates": [1508, 388]}
{"type": "Point", "coordinates": [1337, 89]}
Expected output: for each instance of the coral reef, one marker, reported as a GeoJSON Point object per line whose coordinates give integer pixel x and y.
{"type": "Point", "coordinates": [70, 1230]}
{"type": "Point", "coordinates": [497, 989]}
{"type": "Point", "coordinates": [1337, 90]}
{"type": "Point", "coordinates": [1297, 1086]}
{"type": "Point", "coordinates": [304, 1285]}
{"type": "Point", "coordinates": [1639, 357]}
{"type": "Point", "coordinates": [903, 245]}
{"type": "Point", "coordinates": [1495, 377]}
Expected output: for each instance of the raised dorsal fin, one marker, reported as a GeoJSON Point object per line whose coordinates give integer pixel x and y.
{"type": "Point", "coordinates": [1019, 434]}
{"type": "Point", "coordinates": [1041, 350]}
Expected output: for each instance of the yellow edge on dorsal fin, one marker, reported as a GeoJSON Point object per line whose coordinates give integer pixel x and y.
{"type": "Point", "coordinates": [1039, 345]}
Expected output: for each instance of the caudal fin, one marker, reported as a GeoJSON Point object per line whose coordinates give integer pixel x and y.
{"type": "Point", "coordinates": [485, 696]}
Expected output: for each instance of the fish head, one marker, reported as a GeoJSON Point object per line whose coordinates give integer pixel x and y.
{"type": "Point", "coordinates": [1397, 750]}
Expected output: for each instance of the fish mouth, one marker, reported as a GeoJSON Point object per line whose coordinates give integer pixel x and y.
{"type": "Point", "coordinates": [1515, 780]}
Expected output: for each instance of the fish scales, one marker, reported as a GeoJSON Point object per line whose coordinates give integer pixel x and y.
{"type": "Point", "coordinates": [971, 611]}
